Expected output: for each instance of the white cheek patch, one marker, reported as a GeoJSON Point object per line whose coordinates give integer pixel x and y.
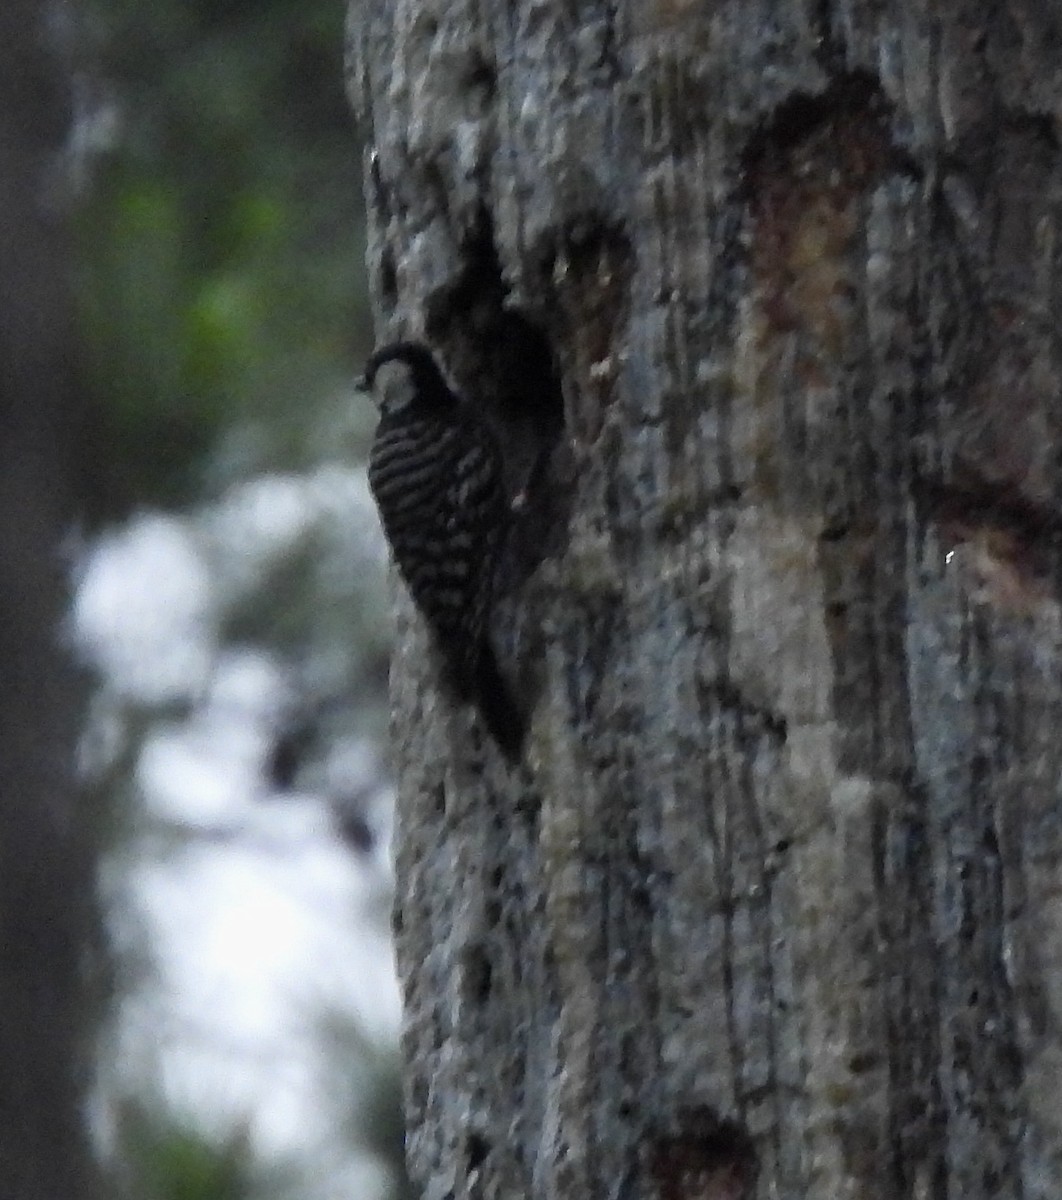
{"type": "Point", "coordinates": [395, 389]}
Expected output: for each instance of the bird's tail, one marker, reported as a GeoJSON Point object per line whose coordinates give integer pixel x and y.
{"type": "Point", "coordinates": [485, 688]}
{"type": "Point", "coordinates": [498, 708]}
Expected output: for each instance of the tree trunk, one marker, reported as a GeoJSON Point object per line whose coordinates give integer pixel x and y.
{"type": "Point", "coordinates": [49, 920]}
{"type": "Point", "coordinates": [762, 299]}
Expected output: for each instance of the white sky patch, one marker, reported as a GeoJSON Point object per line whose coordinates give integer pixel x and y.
{"type": "Point", "coordinates": [143, 612]}
{"type": "Point", "coordinates": [253, 939]}
{"type": "Point", "coordinates": [205, 770]}
{"type": "Point", "coordinates": [265, 518]}
{"type": "Point", "coordinates": [257, 916]}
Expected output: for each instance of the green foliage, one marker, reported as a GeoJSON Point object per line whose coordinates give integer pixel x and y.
{"type": "Point", "coordinates": [165, 1158]}
{"type": "Point", "coordinates": [221, 246]}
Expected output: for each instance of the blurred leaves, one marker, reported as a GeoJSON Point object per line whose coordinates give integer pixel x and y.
{"type": "Point", "coordinates": [221, 286]}
{"type": "Point", "coordinates": [166, 1159]}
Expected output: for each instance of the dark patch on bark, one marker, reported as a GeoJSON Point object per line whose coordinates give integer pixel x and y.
{"type": "Point", "coordinates": [1026, 138]}
{"type": "Point", "coordinates": [586, 272]}
{"type": "Point", "coordinates": [609, 67]}
{"type": "Point", "coordinates": [477, 976]}
{"type": "Point", "coordinates": [480, 80]}
{"type": "Point", "coordinates": [990, 310]}
{"type": "Point", "coordinates": [591, 656]}
{"type": "Point", "coordinates": [752, 721]}
{"type": "Point", "coordinates": [528, 807]}
{"type": "Point", "coordinates": [904, 885]}
{"type": "Point", "coordinates": [980, 1038]}
{"type": "Point", "coordinates": [806, 174]}
{"type": "Point", "coordinates": [1015, 544]}
{"type": "Point", "coordinates": [503, 358]}
{"type": "Point", "coordinates": [379, 193]}
{"type": "Point", "coordinates": [860, 559]}
{"type": "Point", "coordinates": [852, 102]}
{"type": "Point", "coordinates": [830, 49]}
{"type": "Point", "coordinates": [438, 799]}
{"type": "Point", "coordinates": [976, 502]}
{"type": "Point", "coordinates": [704, 1157]}
{"type": "Point", "coordinates": [476, 1150]}
{"type": "Point", "coordinates": [387, 280]}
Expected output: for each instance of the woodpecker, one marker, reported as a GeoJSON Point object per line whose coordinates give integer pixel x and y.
{"type": "Point", "coordinates": [435, 471]}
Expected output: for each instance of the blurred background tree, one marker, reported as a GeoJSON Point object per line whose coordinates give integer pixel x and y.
{"type": "Point", "coordinates": [50, 959]}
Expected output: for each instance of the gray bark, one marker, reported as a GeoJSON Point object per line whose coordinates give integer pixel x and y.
{"type": "Point", "coordinates": [772, 908]}
{"type": "Point", "coordinates": [49, 919]}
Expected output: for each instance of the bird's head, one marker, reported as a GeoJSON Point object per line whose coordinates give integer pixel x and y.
{"type": "Point", "coordinates": [424, 383]}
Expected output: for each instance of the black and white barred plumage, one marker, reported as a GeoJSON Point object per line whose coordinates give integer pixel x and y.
{"type": "Point", "coordinates": [435, 471]}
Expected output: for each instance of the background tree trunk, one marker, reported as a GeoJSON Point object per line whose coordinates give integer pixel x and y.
{"type": "Point", "coordinates": [773, 907]}
{"type": "Point", "coordinates": [49, 921]}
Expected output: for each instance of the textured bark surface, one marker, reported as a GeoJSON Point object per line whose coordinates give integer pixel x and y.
{"type": "Point", "coordinates": [774, 907]}
{"type": "Point", "coordinates": [49, 918]}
